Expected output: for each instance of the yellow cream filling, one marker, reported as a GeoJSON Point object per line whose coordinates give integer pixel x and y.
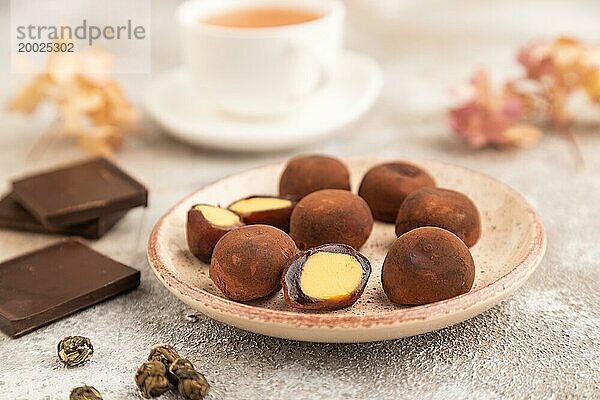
{"type": "Point", "coordinates": [247, 206]}
{"type": "Point", "coordinates": [330, 276]}
{"type": "Point", "coordinates": [218, 216]}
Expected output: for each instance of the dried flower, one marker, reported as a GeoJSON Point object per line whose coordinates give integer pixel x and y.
{"type": "Point", "coordinates": [91, 105]}
{"type": "Point", "coordinates": [486, 117]}
{"type": "Point", "coordinates": [556, 66]}
{"type": "Point", "coordinates": [75, 350]}
{"type": "Point", "coordinates": [522, 135]}
{"type": "Point", "coordinates": [85, 393]}
{"type": "Point", "coordinates": [590, 75]}
{"type": "Point", "coordinates": [553, 71]}
{"type": "Point", "coordinates": [555, 60]}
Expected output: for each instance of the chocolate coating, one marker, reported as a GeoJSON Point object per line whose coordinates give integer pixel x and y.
{"type": "Point", "coordinates": [385, 186]}
{"type": "Point", "coordinates": [247, 262]}
{"type": "Point", "coordinates": [202, 236]}
{"type": "Point", "coordinates": [290, 280]}
{"type": "Point", "coordinates": [331, 216]}
{"type": "Point", "coordinates": [443, 208]}
{"type": "Point", "coordinates": [427, 265]}
{"type": "Point", "coordinates": [306, 174]}
{"type": "Point", "coordinates": [279, 217]}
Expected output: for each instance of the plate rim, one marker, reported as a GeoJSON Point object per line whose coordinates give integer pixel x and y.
{"type": "Point", "coordinates": [521, 271]}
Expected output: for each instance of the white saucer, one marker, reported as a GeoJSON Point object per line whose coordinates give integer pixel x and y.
{"type": "Point", "coordinates": [353, 89]}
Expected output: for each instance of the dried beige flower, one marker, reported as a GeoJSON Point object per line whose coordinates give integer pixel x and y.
{"type": "Point", "coordinates": [91, 105]}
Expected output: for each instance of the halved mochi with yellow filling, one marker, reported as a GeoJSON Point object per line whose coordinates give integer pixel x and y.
{"type": "Point", "coordinates": [205, 225]}
{"type": "Point", "coordinates": [327, 277]}
{"type": "Point", "coordinates": [267, 210]}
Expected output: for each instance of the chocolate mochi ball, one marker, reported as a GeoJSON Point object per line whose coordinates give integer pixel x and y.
{"type": "Point", "coordinates": [306, 174]}
{"type": "Point", "coordinates": [385, 186]}
{"type": "Point", "coordinates": [443, 208]}
{"type": "Point", "coordinates": [247, 262]}
{"type": "Point", "coordinates": [331, 216]}
{"type": "Point", "coordinates": [426, 265]}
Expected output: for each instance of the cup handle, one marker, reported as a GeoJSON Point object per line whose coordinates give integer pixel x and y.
{"type": "Point", "coordinates": [299, 47]}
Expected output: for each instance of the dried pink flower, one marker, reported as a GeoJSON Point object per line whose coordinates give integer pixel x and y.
{"type": "Point", "coordinates": [534, 58]}
{"type": "Point", "coordinates": [553, 71]}
{"type": "Point", "coordinates": [555, 60]}
{"type": "Point", "coordinates": [487, 117]}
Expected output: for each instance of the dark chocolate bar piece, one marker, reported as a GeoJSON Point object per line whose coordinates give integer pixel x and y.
{"type": "Point", "coordinates": [79, 193]}
{"type": "Point", "coordinates": [48, 284]}
{"type": "Point", "coordinates": [15, 217]}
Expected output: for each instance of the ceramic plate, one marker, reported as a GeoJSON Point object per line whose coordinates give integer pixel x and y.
{"type": "Point", "coordinates": [512, 244]}
{"type": "Point", "coordinates": [190, 116]}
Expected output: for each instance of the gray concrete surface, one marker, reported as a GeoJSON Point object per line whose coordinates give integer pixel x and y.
{"type": "Point", "coordinates": [541, 343]}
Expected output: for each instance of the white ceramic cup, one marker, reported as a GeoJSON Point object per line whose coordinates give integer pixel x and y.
{"type": "Point", "coordinates": [265, 70]}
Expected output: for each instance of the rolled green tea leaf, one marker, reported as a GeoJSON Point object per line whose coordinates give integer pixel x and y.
{"type": "Point", "coordinates": [192, 384]}
{"type": "Point", "coordinates": [85, 393]}
{"type": "Point", "coordinates": [75, 350]}
{"type": "Point", "coordinates": [166, 354]}
{"type": "Point", "coordinates": [151, 379]}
